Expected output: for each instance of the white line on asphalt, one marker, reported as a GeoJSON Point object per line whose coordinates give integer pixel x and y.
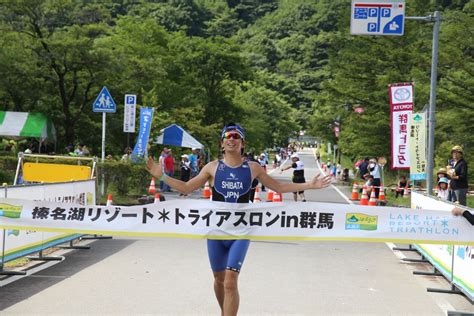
{"type": "Point", "coordinates": [444, 305]}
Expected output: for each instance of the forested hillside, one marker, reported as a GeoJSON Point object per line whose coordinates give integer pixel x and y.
{"type": "Point", "coordinates": [276, 67]}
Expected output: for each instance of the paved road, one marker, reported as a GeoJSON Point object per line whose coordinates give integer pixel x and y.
{"type": "Point", "coordinates": [172, 276]}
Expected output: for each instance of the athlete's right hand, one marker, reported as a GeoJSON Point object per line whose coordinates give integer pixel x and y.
{"type": "Point", "coordinates": [154, 168]}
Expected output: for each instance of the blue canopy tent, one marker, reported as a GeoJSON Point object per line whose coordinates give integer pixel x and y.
{"type": "Point", "coordinates": [175, 135]}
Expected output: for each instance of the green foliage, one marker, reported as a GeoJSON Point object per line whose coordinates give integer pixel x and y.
{"type": "Point", "coordinates": [274, 66]}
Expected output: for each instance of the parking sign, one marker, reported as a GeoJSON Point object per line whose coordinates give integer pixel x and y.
{"type": "Point", "coordinates": [129, 113]}
{"type": "Point", "coordinates": [377, 17]}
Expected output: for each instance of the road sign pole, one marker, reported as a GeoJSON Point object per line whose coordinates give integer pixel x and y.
{"type": "Point", "coordinates": [432, 108]}
{"type": "Point", "coordinates": [102, 184]}
{"type": "Point", "coordinates": [436, 18]}
{"type": "Point", "coordinates": [103, 136]}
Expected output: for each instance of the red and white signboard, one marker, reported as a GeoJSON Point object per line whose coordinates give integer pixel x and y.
{"type": "Point", "coordinates": [401, 105]}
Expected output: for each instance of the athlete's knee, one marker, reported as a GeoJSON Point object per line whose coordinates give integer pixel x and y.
{"type": "Point", "coordinates": [219, 277]}
{"type": "Point", "coordinates": [230, 281]}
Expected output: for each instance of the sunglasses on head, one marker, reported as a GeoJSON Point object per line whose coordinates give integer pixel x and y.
{"type": "Point", "coordinates": [233, 135]}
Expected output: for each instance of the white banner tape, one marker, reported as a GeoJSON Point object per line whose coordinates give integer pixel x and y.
{"type": "Point", "coordinates": [261, 221]}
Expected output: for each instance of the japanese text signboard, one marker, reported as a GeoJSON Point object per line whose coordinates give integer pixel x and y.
{"type": "Point", "coordinates": [146, 118]}
{"type": "Point", "coordinates": [377, 17]}
{"type": "Point", "coordinates": [259, 221]}
{"type": "Point", "coordinates": [401, 106]}
{"type": "Point", "coordinates": [417, 145]}
{"type": "Point", "coordinates": [129, 113]}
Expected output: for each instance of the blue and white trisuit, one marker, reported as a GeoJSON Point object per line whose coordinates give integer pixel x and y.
{"type": "Point", "coordinates": [231, 185]}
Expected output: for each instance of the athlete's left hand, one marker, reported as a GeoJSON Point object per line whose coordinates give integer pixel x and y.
{"type": "Point", "coordinates": [457, 211]}
{"type": "Point", "coordinates": [320, 182]}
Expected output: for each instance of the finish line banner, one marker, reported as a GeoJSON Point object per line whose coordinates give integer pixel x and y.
{"type": "Point", "coordinates": [261, 221]}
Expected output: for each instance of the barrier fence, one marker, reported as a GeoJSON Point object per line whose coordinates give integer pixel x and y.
{"type": "Point", "coordinates": [19, 243]}
{"type": "Point", "coordinates": [454, 262]}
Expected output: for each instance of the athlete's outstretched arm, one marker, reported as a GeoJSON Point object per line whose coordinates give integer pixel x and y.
{"type": "Point", "coordinates": [155, 169]}
{"type": "Point", "coordinates": [318, 182]}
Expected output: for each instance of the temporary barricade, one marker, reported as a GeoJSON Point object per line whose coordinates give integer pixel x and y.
{"type": "Point", "coordinates": [19, 243]}
{"type": "Point", "coordinates": [455, 262]}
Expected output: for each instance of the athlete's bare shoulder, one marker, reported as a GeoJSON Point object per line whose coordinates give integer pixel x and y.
{"type": "Point", "coordinates": [210, 168]}
{"type": "Point", "coordinates": [255, 167]}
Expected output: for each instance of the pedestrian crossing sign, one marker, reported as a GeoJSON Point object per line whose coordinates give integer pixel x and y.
{"type": "Point", "coordinates": [104, 102]}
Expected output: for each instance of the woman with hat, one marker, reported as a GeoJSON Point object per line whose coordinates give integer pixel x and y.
{"type": "Point", "coordinates": [458, 176]}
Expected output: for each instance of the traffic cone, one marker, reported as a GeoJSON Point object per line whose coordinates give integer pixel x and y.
{"type": "Point", "coordinates": [152, 188]}
{"type": "Point", "coordinates": [406, 192]}
{"type": "Point", "coordinates": [373, 199]}
{"type": "Point", "coordinates": [207, 191]}
{"type": "Point", "coordinates": [355, 192]}
{"type": "Point", "coordinates": [382, 193]}
{"type": "Point", "coordinates": [109, 200]}
{"type": "Point", "coordinates": [270, 195]}
{"type": "Point", "coordinates": [277, 197]}
{"type": "Point", "coordinates": [256, 197]}
{"type": "Point", "coordinates": [157, 198]}
{"type": "Point", "coordinates": [364, 200]}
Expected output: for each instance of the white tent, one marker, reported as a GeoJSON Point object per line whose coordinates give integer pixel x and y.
{"type": "Point", "coordinates": [18, 125]}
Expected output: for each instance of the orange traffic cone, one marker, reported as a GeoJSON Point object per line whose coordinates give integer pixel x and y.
{"type": "Point", "coordinates": [157, 198]}
{"type": "Point", "coordinates": [152, 188]}
{"type": "Point", "coordinates": [109, 200]}
{"type": "Point", "coordinates": [277, 197]}
{"type": "Point", "coordinates": [207, 191]}
{"type": "Point", "coordinates": [382, 193]}
{"type": "Point", "coordinates": [256, 197]}
{"type": "Point", "coordinates": [373, 200]}
{"type": "Point", "coordinates": [270, 195]}
{"type": "Point", "coordinates": [364, 200]}
{"type": "Point", "coordinates": [355, 192]}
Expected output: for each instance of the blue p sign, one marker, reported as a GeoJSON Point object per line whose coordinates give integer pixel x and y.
{"type": "Point", "coordinates": [372, 27]}
{"type": "Point", "coordinates": [385, 13]}
{"type": "Point", "coordinates": [373, 12]}
{"type": "Point", "coordinates": [130, 99]}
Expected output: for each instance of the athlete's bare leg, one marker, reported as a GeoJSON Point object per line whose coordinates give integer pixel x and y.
{"type": "Point", "coordinates": [231, 298]}
{"type": "Point", "coordinates": [295, 197]}
{"type": "Point", "coordinates": [219, 287]}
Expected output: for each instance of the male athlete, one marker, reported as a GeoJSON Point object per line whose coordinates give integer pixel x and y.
{"type": "Point", "coordinates": [231, 180]}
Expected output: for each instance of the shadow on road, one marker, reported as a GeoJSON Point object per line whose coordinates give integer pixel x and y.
{"type": "Point", "coordinates": [76, 261]}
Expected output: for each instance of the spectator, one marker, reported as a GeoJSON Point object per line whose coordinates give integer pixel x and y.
{"type": "Point", "coordinates": [169, 168]}
{"type": "Point", "coordinates": [193, 162]}
{"type": "Point", "coordinates": [443, 189]}
{"type": "Point", "coordinates": [458, 176]}
{"type": "Point", "coordinates": [85, 150]}
{"type": "Point", "coordinates": [363, 168]}
{"type": "Point", "coordinates": [262, 160]}
{"type": "Point", "coordinates": [401, 186]}
{"type": "Point", "coordinates": [185, 167]}
{"type": "Point", "coordinates": [161, 161]}
{"type": "Point", "coordinates": [442, 173]}
{"type": "Point", "coordinates": [127, 154]}
{"type": "Point", "coordinates": [78, 150]}
{"type": "Point", "coordinates": [374, 170]}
